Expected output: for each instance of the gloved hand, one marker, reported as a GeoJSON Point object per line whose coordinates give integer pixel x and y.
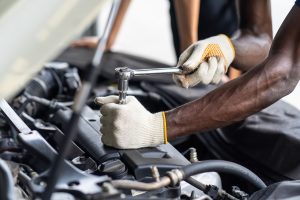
{"type": "Point", "coordinates": [205, 61]}
{"type": "Point", "coordinates": [130, 125]}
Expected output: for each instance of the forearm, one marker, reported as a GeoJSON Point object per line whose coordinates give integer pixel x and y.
{"type": "Point", "coordinates": [187, 14]}
{"type": "Point", "coordinates": [229, 103]}
{"type": "Point", "coordinates": [260, 87]}
{"type": "Point", "coordinates": [253, 39]}
{"type": "Point", "coordinates": [117, 23]}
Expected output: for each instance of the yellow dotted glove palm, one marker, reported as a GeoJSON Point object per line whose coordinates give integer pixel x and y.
{"type": "Point", "coordinates": [205, 61]}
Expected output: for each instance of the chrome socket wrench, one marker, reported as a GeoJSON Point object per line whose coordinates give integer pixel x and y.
{"type": "Point", "coordinates": [124, 74]}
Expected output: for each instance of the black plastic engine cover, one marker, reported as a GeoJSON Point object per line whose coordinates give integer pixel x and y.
{"type": "Point", "coordinates": [165, 157]}
{"type": "Point", "coordinates": [138, 161]}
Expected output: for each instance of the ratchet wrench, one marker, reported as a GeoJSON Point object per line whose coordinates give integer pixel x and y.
{"type": "Point", "coordinates": [124, 74]}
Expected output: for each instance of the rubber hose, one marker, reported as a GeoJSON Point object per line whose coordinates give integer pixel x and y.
{"type": "Point", "coordinates": [223, 167]}
{"type": "Point", "coordinates": [6, 182]}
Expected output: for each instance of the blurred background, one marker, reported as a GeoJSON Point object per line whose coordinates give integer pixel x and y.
{"type": "Point", "coordinates": [148, 33]}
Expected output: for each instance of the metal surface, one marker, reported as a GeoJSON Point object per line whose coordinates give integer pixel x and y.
{"type": "Point", "coordinates": [13, 118]}
{"type": "Point", "coordinates": [143, 72]}
{"type": "Point", "coordinates": [136, 185]}
{"type": "Point", "coordinates": [71, 179]}
{"type": "Point", "coordinates": [124, 74]}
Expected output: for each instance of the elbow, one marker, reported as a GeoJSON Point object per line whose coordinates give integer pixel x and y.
{"type": "Point", "coordinates": [289, 83]}
{"type": "Point", "coordinates": [265, 44]}
{"type": "Point", "coordinates": [292, 80]}
{"type": "Point", "coordinates": [286, 75]}
{"type": "Point", "coordinates": [261, 47]}
{"type": "Point", "coordinates": [251, 50]}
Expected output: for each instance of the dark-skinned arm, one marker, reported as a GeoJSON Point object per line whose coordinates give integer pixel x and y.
{"type": "Point", "coordinates": [118, 22]}
{"type": "Point", "coordinates": [253, 39]}
{"type": "Point", "coordinates": [187, 15]}
{"type": "Point", "coordinates": [92, 42]}
{"type": "Point", "coordinates": [266, 83]}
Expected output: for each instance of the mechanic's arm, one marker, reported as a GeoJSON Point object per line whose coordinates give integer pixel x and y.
{"type": "Point", "coordinates": [271, 80]}
{"type": "Point", "coordinates": [187, 15]}
{"type": "Point", "coordinates": [92, 42]}
{"type": "Point", "coordinates": [251, 43]}
{"type": "Point", "coordinates": [253, 40]}
{"type": "Point", "coordinates": [132, 126]}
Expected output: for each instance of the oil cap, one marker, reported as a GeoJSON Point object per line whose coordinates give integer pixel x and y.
{"type": "Point", "coordinates": [114, 168]}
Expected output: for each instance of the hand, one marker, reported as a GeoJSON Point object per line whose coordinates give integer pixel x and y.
{"type": "Point", "coordinates": [130, 125]}
{"type": "Point", "coordinates": [205, 61]}
{"type": "Point", "coordinates": [87, 42]}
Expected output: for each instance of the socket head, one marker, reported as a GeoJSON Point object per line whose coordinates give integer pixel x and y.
{"type": "Point", "coordinates": [123, 73]}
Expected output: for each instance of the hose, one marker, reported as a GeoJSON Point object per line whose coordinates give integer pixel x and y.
{"type": "Point", "coordinates": [185, 173]}
{"type": "Point", "coordinates": [223, 167]}
{"type": "Point", "coordinates": [6, 182]}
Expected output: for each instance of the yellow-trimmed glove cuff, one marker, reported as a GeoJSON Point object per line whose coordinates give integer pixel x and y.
{"type": "Point", "coordinates": [165, 128]}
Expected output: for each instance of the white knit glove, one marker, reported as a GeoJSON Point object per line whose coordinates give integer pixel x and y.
{"type": "Point", "coordinates": [205, 61]}
{"type": "Point", "coordinates": [130, 125]}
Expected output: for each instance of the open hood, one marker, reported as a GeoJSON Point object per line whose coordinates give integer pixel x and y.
{"type": "Point", "coordinates": [33, 32]}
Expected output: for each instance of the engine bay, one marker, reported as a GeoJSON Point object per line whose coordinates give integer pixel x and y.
{"type": "Point", "coordinates": [33, 128]}
{"type": "Point", "coordinates": [80, 120]}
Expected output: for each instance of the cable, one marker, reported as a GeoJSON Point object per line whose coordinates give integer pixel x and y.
{"type": "Point", "coordinates": [206, 189]}
{"type": "Point", "coordinates": [224, 167]}
{"type": "Point", "coordinates": [6, 182]}
{"type": "Point", "coordinates": [51, 104]}
{"type": "Point", "coordinates": [196, 183]}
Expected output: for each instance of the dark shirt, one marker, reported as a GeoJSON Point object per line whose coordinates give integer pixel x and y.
{"type": "Point", "coordinates": [298, 2]}
{"type": "Point", "coordinates": [216, 17]}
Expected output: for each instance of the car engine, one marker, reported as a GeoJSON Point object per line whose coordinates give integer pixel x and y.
{"type": "Point", "coordinates": [33, 127]}
{"type": "Point", "coordinates": [50, 143]}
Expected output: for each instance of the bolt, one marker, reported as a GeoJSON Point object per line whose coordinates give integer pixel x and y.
{"type": "Point", "coordinates": [193, 155]}
{"type": "Point", "coordinates": [33, 174]}
{"type": "Point", "coordinates": [43, 183]}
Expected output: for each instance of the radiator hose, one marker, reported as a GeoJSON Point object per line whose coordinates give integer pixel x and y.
{"type": "Point", "coordinates": [223, 167]}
